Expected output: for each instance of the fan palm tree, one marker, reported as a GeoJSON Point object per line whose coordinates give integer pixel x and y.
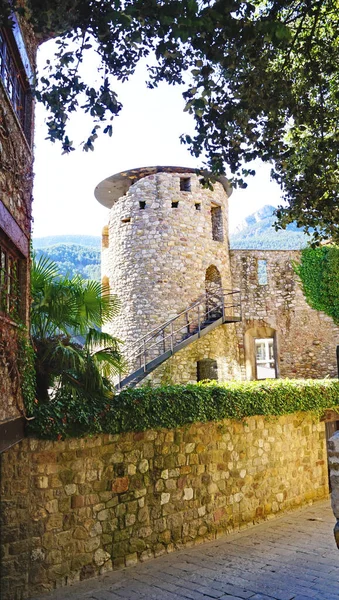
{"type": "Point", "coordinates": [73, 356]}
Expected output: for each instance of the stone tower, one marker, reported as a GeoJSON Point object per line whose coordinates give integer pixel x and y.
{"type": "Point", "coordinates": [165, 244]}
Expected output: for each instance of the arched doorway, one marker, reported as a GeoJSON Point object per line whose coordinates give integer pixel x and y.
{"type": "Point", "coordinates": [213, 288]}
{"type": "Point", "coordinates": [261, 352]}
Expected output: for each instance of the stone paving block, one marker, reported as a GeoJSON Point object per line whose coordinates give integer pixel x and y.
{"type": "Point", "coordinates": [105, 595]}
{"type": "Point", "coordinates": [228, 597]}
{"type": "Point", "coordinates": [269, 564]}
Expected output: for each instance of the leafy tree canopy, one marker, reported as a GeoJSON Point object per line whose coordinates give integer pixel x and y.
{"type": "Point", "coordinates": [263, 83]}
{"type": "Point", "coordinates": [319, 273]}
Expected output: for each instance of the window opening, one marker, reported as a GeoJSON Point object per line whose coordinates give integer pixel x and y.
{"type": "Point", "coordinates": [14, 83]}
{"type": "Point", "coordinates": [9, 281]}
{"type": "Point", "coordinates": [262, 272]}
{"type": "Point", "coordinates": [265, 358]}
{"type": "Point", "coordinates": [105, 286]}
{"type": "Point", "coordinates": [126, 220]}
{"type": "Point", "coordinates": [207, 368]}
{"type": "Point", "coordinates": [217, 225]}
{"type": "Point", "coordinates": [197, 206]}
{"type": "Point", "coordinates": [175, 203]}
{"type": "Point", "coordinates": [142, 204]}
{"type": "Point", "coordinates": [185, 184]}
{"type": "Point", "coordinates": [105, 237]}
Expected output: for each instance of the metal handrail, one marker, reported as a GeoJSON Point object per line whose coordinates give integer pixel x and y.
{"type": "Point", "coordinates": [141, 347]}
{"type": "Point", "coordinates": [201, 300]}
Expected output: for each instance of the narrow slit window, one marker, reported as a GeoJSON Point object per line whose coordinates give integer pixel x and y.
{"type": "Point", "coordinates": [185, 184]}
{"type": "Point", "coordinates": [197, 206]}
{"type": "Point", "coordinates": [175, 203]}
{"type": "Point", "coordinates": [142, 204]}
{"type": "Point", "coordinates": [105, 237]}
{"type": "Point", "coordinates": [217, 225]}
{"type": "Point", "coordinates": [126, 220]}
{"type": "Point", "coordinates": [262, 272]}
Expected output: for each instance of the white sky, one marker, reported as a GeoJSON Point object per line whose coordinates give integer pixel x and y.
{"type": "Point", "coordinates": [146, 133]}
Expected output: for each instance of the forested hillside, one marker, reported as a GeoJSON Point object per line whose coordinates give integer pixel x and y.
{"type": "Point", "coordinates": [79, 256]}
{"type": "Point", "coordinates": [91, 241]}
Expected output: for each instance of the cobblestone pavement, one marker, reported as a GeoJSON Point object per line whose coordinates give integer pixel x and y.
{"type": "Point", "coordinates": [290, 557]}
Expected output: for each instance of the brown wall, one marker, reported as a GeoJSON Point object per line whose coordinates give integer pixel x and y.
{"type": "Point", "coordinates": [73, 509]}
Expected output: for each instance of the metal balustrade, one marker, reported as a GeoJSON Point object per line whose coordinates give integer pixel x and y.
{"type": "Point", "coordinates": [208, 312]}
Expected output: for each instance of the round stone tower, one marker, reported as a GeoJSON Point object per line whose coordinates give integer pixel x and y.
{"type": "Point", "coordinates": [166, 243]}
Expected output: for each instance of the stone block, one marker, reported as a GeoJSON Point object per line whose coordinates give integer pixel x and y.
{"type": "Point", "coordinates": [55, 521]}
{"type": "Point", "coordinates": [101, 557]}
{"type": "Point", "coordinates": [143, 466]}
{"type": "Point", "coordinates": [120, 485]}
{"type": "Point", "coordinates": [77, 501]}
{"type": "Point", "coordinates": [80, 560]}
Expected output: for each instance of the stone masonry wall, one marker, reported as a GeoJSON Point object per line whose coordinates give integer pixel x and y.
{"type": "Point", "coordinates": [158, 255]}
{"type": "Point", "coordinates": [220, 344]}
{"type": "Point", "coordinates": [306, 339]}
{"type": "Point", "coordinates": [76, 508]}
{"type": "Point", "coordinates": [16, 181]}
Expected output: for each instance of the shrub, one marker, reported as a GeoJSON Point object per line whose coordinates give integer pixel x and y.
{"type": "Point", "coordinates": [176, 405]}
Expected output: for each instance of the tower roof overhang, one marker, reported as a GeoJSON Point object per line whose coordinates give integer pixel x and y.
{"type": "Point", "coordinates": [108, 191]}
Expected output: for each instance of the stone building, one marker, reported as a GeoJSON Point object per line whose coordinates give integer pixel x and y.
{"type": "Point", "coordinates": [17, 66]}
{"type": "Point", "coordinates": [165, 250]}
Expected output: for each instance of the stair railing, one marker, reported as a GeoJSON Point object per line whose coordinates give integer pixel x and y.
{"type": "Point", "coordinates": [208, 308]}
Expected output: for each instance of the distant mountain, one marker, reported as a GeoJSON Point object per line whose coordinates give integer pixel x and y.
{"type": "Point", "coordinates": [74, 255]}
{"type": "Point", "coordinates": [91, 241]}
{"type": "Point", "coordinates": [257, 232]}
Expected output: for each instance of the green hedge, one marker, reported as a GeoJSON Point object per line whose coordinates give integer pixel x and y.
{"type": "Point", "coordinates": [173, 406]}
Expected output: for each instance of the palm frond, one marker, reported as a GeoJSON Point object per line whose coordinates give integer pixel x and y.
{"type": "Point", "coordinates": [63, 308]}
{"type": "Point", "coordinates": [68, 358]}
{"type": "Point", "coordinates": [97, 339]}
{"type": "Point", "coordinates": [42, 271]}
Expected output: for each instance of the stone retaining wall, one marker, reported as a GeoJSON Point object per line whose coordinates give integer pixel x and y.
{"type": "Point", "coordinates": [73, 509]}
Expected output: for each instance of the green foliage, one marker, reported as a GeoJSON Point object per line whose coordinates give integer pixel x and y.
{"type": "Point", "coordinates": [261, 82]}
{"type": "Point", "coordinates": [74, 260]}
{"type": "Point", "coordinates": [73, 357]}
{"type": "Point", "coordinates": [319, 274]}
{"type": "Point", "coordinates": [26, 369]}
{"type": "Point", "coordinates": [174, 406]}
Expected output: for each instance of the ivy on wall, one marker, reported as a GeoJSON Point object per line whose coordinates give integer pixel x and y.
{"type": "Point", "coordinates": [173, 406]}
{"type": "Point", "coordinates": [17, 368]}
{"type": "Point", "coordinates": [319, 274]}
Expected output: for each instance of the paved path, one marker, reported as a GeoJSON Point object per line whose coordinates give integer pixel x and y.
{"type": "Point", "coordinates": [290, 557]}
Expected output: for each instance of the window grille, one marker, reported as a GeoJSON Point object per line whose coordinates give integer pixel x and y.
{"type": "Point", "coordinates": [9, 282]}
{"type": "Point", "coordinates": [265, 358]}
{"type": "Point", "coordinates": [15, 83]}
